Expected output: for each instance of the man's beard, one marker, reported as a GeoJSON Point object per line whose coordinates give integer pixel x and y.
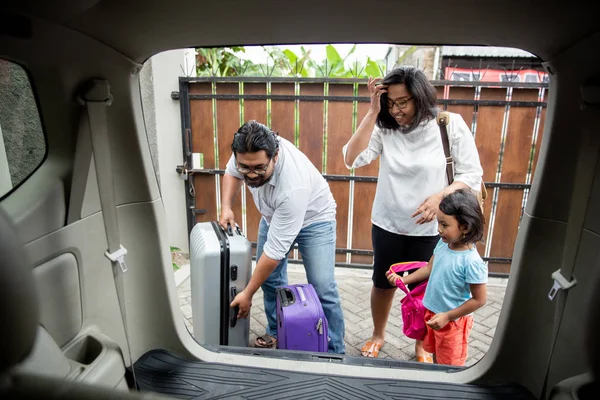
{"type": "Point", "coordinates": [258, 182]}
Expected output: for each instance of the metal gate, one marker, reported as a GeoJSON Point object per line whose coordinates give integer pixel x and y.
{"type": "Point", "coordinates": [320, 114]}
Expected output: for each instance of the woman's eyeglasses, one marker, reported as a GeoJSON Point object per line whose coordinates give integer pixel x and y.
{"type": "Point", "coordinates": [401, 104]}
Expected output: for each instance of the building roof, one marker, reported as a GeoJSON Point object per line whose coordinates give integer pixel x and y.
{"type": "Point", "coordinates": [484, 51]}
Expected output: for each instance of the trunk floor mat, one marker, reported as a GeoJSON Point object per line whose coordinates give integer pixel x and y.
{"type": "Point", "coordinates": [164, 372]}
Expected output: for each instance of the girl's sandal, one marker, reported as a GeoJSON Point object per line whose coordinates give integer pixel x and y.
{"type": "Point", "coordinates": [425, 359]}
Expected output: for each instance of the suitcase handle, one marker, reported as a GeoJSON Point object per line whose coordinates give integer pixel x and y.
{"type": "Point", "coordinates": [301, 293]}
{"type": "Point", "coordinates": [237, 229]}
{"type": "Point", "coordinates": [236, 309]}
{"type": "Point", "coordinates": [286, 297]}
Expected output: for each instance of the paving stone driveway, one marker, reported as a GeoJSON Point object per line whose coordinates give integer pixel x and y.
{"type": "Point", "coordinates": [355, 288]}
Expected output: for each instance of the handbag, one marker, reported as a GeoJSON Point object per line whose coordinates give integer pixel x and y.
{"type": "Point", "coordinates": [443, 119]}
{"type": "Point", "coordinates": [412, 308]}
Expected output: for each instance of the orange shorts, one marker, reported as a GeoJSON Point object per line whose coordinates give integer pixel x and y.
{"type": "Point", "coordinates": [450, 343]}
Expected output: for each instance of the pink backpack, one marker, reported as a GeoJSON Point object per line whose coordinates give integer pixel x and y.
{"type": "Point", "coordinates": [413, 311]}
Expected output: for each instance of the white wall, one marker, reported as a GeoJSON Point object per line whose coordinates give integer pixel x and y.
{"type": "Point", "coordinates": [423, 57]}
{"type": "Point", "coordinates": [5, 181]}
{"type": "Point", "coordinates": [167, 67]}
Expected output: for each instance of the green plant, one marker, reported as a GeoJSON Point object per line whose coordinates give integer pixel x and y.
{"type": "Point", "coordinates": [174, 264]}
{"type": "Point", "coordinates": [374, 69]}
{"type": "Point", "coordinates": [221, 61]}
{"type": "Point", "coordinates": [333, 65]}
{"type": "Point", "coordinates": [278, 64]}
{"type": "Point", "coordinates": [298, 64]}
{"type": "Point", "coordinates": [336, 66]}
{"type": "Point", "coordinates": [226, 61]}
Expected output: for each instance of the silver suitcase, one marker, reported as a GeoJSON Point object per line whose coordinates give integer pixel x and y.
{"type": "Point", "coordinates": [221, 266]}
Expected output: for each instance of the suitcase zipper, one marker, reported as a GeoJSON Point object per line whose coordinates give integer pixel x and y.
{"type": "Point", "coordinates": [321, 346]}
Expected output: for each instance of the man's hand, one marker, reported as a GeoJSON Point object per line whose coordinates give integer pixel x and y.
{"type": "Point", "coordinates": [392, 277]}
{"type": "Point", "coordinates": [227, 217]}
{"type": "Point", "coordinates": [428, 209]}
{"type": "Point", "coordinates": [438, 321]}
{"type": "Point", "coordinates": [244, 302]}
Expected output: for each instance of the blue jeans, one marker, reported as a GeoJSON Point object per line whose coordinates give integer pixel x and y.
{"type": "Point", "coordinates": [316, 244]}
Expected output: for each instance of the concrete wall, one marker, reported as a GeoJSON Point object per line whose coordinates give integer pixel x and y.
{"type": "Point", "coordinates": [160, 77]}
{"type": "Point", "coordinates": [423, 57]}
{"type": "Point", "coordinates": [22, 137]}
{"type": "Point", "coordinates": [148, 106]}
{"type": "Point", "coordinates": [5, 181]}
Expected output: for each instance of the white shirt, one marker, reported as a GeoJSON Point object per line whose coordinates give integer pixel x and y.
{"type": "Point", "coordinates": [413, 167]}
{"type": "Point", "coordinates": [296, 196]}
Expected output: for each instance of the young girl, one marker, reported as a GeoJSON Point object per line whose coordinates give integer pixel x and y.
{"type": "Point", "coordinates": [457, 279]}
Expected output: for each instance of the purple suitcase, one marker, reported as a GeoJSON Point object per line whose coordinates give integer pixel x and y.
{"type": "Point", "coordinates": [301, 322]}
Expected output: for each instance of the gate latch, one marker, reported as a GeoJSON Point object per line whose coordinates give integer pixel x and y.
{"type": "Point", "coordinates": [183, 171]}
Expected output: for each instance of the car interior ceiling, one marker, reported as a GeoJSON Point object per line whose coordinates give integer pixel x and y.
{"type": "Point", "coordinates": [56, 288]}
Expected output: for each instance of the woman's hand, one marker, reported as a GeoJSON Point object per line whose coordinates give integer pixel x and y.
{"type": "Point", "coordinates": [375, 91]}
{"type": "Point", "coordinates": [428, 209]}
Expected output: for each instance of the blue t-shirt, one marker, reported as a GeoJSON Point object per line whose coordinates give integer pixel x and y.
{"type": "Point", "coordinates": [452, 272]}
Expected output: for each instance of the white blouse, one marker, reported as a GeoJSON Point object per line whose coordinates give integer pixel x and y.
{"type": "Point", "coordinates": [413, 167]}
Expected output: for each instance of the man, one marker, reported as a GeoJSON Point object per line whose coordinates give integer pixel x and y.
{"type": "Point", "coordinates": [297, 207]}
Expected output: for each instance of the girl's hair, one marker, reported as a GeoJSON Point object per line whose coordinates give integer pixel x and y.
{"type": "Point", "coordinates": [423, 95]}
{"type": "Point", "coordinates": [253, 137]}
{"type": "Point", "coordinates": [464, 206]}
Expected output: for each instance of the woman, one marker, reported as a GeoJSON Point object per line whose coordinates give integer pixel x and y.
{"type": "Point", "coordinates": [401, 127]}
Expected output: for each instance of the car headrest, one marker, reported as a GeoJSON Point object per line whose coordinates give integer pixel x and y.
{"type": "Point", "coordinates": [18, 299]}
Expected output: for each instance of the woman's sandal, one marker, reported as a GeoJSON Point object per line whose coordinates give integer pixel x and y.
{"type": "Point", "coordinates": [371, 349]}
{"type": "Point", "coordinates": [265, 342]}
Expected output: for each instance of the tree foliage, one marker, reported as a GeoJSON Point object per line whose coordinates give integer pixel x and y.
{"type": "Point", "coordinates": [226, 61]}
